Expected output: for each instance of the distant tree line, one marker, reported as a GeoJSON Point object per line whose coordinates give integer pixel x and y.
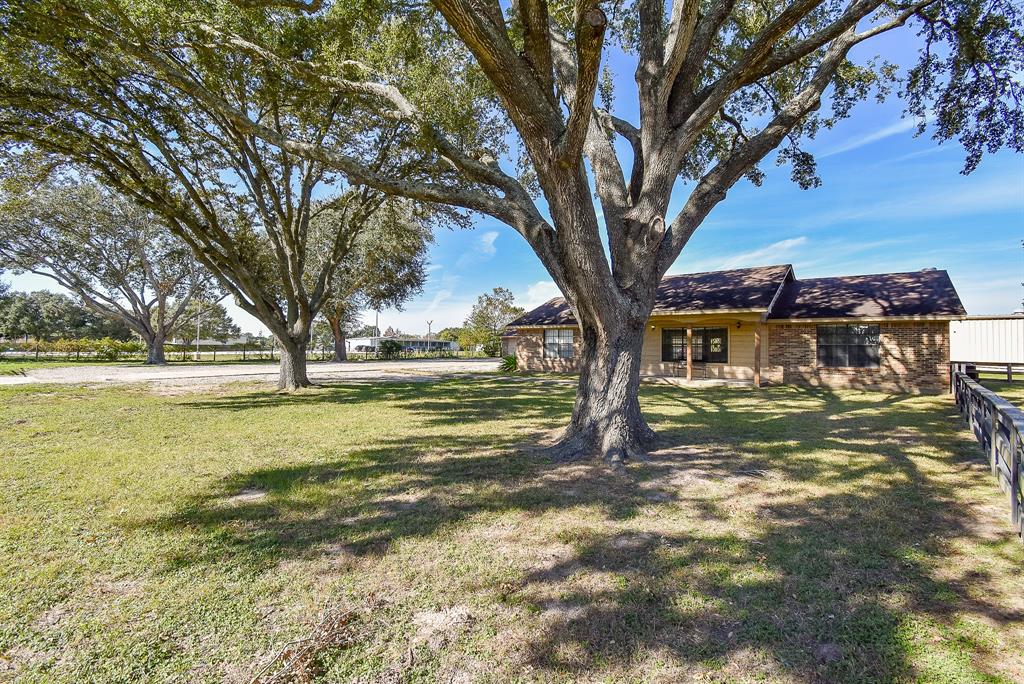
{"type": "Point", "coordinates": [51, 316]}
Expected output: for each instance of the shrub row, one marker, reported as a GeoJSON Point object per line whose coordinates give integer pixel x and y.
{"type": "Point", "coordinates": [107, 349]}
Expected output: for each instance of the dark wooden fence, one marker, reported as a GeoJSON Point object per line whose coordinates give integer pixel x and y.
{"type": "Point", "coordinates": [972, 368]}
{"type": "Point", "coordinates": [999, 426]}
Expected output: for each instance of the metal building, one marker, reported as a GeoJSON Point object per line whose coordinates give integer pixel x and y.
{"type": "Point", "coordinates": [987, 339]}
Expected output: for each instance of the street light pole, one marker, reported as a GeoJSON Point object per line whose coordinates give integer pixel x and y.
{"type": "Point", "coordinates": [429, 323]}
{"type": "Point", "coordinates": [199, 316]}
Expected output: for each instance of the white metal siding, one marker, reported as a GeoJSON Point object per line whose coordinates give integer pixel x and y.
{"type": "Point", "coordinates": [992, 340]}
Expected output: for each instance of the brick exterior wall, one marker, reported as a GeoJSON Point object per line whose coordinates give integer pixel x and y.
{"type": "Point", "coordinates": [530, 353]}
{"type": "Point", "coordinates": [913, 357]}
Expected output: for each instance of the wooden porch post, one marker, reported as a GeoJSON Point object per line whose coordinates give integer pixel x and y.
{"type": "Point", "coordinates": [757, 354]}
{"type": "Point", "coordinates": [689, 353]}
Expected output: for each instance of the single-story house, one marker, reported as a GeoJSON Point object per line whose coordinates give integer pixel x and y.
{"type": "Point", "coordinates": [888, 331]}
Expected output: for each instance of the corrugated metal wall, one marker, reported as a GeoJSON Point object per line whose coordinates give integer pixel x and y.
{"type": "Point", "coordinates": [993, 340]}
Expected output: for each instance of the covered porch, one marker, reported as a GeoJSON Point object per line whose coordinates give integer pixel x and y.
{"type": "Point", "coordinates": [721, 348]}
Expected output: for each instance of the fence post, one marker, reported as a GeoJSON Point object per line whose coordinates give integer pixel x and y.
{"type": "Point", "coordinates": [993, 441]}
{"type": "Point", "coordinates": [1015, 484]}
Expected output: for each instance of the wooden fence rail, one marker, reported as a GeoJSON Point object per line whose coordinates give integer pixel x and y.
{"type": "Point", "coordinates": [994, 368]}
{"type": "Point", "coordinates": [998, 426]}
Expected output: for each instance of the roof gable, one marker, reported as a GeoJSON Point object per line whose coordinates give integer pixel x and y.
{"type": "Point", "coordinates": [883, 295]}
{"type": "Point", "coordinates": [742, 289]}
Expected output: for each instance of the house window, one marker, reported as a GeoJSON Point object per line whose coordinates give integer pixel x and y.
{"type": "Point", "coordinates": [558, 344]}
{"type": "Point", "coordinates": [673, 344]}
{"type": "Point", "coordinates": [848, 345]}
{"type": "Point", "coordinates": [710, 345]}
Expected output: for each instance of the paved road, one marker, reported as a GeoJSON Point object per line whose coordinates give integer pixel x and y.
{"type": "Point", "coordinates": [419, 369]}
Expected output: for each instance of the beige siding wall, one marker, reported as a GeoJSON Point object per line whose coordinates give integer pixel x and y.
{"type": "Point", "coordinates": [530, 352]}
{"type": "Point", "coordinates": [529, 349]}
{"type": "Point", "coordinates": [913, 357]}
{"type": "Point", "coordinates": [740, 346]}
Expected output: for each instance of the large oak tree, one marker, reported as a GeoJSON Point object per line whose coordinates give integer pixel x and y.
{"type": "Point", "coordinates": [385, 267]}
{"type": "Point", "coordinates": [719, 85]}
{"type": "Point", "coordinates": [273, 227]}
{"type": "Point", "coordinates": [120, 260]}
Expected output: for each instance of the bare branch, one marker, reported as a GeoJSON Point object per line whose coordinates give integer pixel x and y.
{"type": "Point", "coordinates": [533, 15]}
{"type": "Point", "coordinates": [680, 36]}
{"type": "Point", "coordinates": [712, 188]}
{"type": "Point", "coordinates": [590, 25]}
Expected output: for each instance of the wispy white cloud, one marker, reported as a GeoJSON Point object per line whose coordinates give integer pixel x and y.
{"type": "Point", "coordinates": [483, 249]}
{"type": "Point", "coordinates": [927, 152]}
{"type": "Point", "coordinates": [769, 254]}
{"type": "Point", "coordinates": [952, 200]}
{"type": "Point", "coordinates": [989, 296]}
{"type": "Point", "coordinates": [896, 128]}
{"type": "Point", "coordinates": [537, 293]}
{"type": "Point", "coordinates": [485, 244]}
{"type": "Point", "coordinates": [774, 253]}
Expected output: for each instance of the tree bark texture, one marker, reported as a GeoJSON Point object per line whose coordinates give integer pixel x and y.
{"type": "Point", "coordinates": [606, 417]}
{"type": "Point", "coordinates": [340, 348]}
{"type": "Point", "coordinates": [155, 351]}
{"type": "Point", "coordinates": [293, 366]}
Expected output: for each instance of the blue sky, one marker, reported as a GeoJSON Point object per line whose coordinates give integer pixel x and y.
{"type": "Point", "coordinates": [889, 202]}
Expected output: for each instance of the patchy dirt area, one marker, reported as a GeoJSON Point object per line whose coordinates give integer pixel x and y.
{"type": "Point", "coordinates": [208, 376]}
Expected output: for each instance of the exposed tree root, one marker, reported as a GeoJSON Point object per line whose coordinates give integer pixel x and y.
{"type": "Point", "coordinates": [617, 445]}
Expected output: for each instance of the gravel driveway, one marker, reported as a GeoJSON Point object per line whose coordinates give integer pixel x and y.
{"type": "Point", "coordinates": [419, 369]}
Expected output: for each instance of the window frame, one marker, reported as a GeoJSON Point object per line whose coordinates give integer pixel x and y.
{"type": "Point", "coordinates": [670, 332]}
{"type": "Point", "coordinates": [562, 344]}
{"type": "Point", "coordinates": [701, 345]}
{"type": "Point", "coordinates": [848, 345]}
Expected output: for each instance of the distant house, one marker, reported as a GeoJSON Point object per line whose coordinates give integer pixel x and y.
{"type": "Point", "coordinates": [409, 344]}
{"type": "Point", "coordinates": [209, 343]}
{"type": "Point", "coordinates": [888, 331]}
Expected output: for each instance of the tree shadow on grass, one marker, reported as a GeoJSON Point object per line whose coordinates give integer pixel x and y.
{"type": "Point", "coordinates": [845, 528]}
{"type": "Point", "coordinates": [446, 402]}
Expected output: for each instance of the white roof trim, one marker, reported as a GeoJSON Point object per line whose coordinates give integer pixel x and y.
{"type": "Point", "coordinates": [702, 312]}
{"type": "Point", "coordinates": [865, 319]}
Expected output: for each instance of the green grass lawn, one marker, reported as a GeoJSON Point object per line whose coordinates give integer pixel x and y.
{"type": "Point", "coordinates": [777, 535]}
{"type": "Point", "coordinates": [1013, 391]}
{"type": "Point", "coordinates": [21, 365]}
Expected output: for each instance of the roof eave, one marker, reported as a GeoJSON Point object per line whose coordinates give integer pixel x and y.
{"type": "Point", "coordinates": [703, 312]}
{"type": "Point", "coordinates": [868, 319]}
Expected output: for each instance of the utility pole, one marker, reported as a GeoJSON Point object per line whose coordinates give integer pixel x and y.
{"type": "Point", "coordinates": [199, 316]}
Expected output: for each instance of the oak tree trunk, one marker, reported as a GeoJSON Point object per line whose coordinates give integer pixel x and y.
{"type": "Point", "coordinates": [606, 418]}
{"type": "Point", "coordinates": [293, 365]}
{"type": "Point", "coordinates": [340, 348]}
{"type": "Point", "coordinates": [155, 351]}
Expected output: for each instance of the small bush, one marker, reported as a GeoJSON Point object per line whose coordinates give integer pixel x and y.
{"type": "Point", "coordinates": [389, 349]}
{"type": "Point", "coordinates": [111, 350]}
{"type": "Point", "coordinates": [509, 365]}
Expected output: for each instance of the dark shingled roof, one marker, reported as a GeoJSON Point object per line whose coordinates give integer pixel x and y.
{"type": "Point", "coordinates": [552, 312]}
{"type": "Point", "coordinates": [922, 293]}
{"type": "Point", "coordinates": [737, 289]}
